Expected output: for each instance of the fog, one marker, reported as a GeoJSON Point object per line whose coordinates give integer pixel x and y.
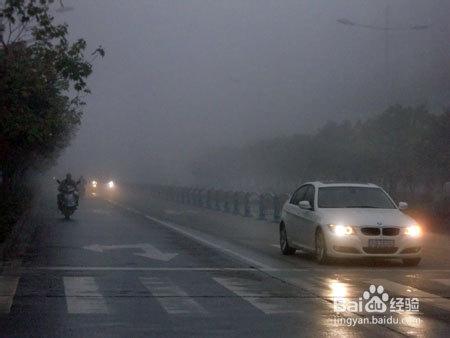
{"type": "Point", "coordinates": [183, 77]}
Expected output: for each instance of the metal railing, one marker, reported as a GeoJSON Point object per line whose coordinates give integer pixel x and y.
{"type": "Point", "coordinates": [264, 206]}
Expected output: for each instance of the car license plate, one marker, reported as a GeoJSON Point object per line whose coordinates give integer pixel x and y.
{"type": "Point", "coordinates": [381, 243]}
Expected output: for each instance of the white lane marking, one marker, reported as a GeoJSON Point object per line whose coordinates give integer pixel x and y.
{"type": "Point", "coordinates": [445, 282]}
{"type": "Point", "coordinates": [187, 233]}
{"type": "Point", "coordinates": [8, 287]}
{"type": "Point", "coordinates": [261, 298]}
{"type": "Point", "coordinates": [409, 291]}
{"type": "Point", "coordinates": [171, 297]}
{"type": "Point", "coordinates": [180, 229]}
{"type": "Point", "coordinates": [261, 266]}
{"type": "Point", "coordinates": [127, 268]}
{"type": "Point", "coordinates": [82, 295]}
{"type": "Point", "coordinates": [180, 212]}
{"type": "Point", "coordinates": [148, 250]}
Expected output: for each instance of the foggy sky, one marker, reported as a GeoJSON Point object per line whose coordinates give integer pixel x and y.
{"type": "Point", "coordinates": [180, 77]}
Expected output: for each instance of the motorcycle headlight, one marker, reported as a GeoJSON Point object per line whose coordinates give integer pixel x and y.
{"type": "Point", "coordinates": [413, 231]}
{"type": "Point", "coordinates": [341, 229]}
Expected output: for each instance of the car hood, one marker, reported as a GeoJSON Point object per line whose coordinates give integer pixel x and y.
{"type": "Point", "coordinates": [363, 216]}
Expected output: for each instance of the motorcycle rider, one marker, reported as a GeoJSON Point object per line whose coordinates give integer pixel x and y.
{"type": "Point", "coordinates": [64, 186]}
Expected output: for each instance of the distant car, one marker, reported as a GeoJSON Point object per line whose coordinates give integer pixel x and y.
{"type": "Point", "coordinates": [97, 187]}
{"type": "Point", "coordinates": [346, 220]}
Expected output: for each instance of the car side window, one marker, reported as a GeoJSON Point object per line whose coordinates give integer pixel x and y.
{"type": "Point", "coordinates": [294, 197]}
{"type": "Point", "coordinates": [298, 195]}
{"type": "Point", "coordinates": [309, 195]}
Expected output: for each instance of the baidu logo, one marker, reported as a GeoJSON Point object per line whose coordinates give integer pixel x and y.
{"type": "Point", "coordinates": [375, 299]}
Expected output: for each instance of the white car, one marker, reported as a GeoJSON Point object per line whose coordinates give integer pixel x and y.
{"type": "Point", "coordinates": [346, 220]}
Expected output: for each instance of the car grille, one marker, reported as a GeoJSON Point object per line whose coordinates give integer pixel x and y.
{"type": "Point", "coordinates": [370, 231]}
{"type": "Point", "coordinates": [374, 231]}
{"type": "Point", "coordinates": [391, 231]}
{"type": "Point", "coordinates": [380, 250]}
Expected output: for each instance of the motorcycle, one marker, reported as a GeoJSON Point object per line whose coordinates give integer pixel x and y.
{"type": "Point", "coordinates": [67, 201]}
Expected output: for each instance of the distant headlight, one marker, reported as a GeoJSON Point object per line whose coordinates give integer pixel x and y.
{"type": "Point", "coordinates": [341, 230]}
{"type": "Point", "coordinates": [111, 185]}
{"type": "Point", "coordinates": [413, 231]}
{"type": "Point", "coordinates": [94, 184]}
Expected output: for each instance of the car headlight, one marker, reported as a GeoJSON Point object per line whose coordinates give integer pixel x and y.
{"type": "Point", "coordinates": [413, 231]}
{"type": "Point", "coordinates": [341, 230]}
{"type": "Point", "coordinates": [111, 184]}
{"type": "Point", "coordinates": [94, 184]}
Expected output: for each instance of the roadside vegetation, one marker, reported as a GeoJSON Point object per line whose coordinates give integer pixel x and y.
{"type": "Point", "coordinates": [404, 149]}
{"type": "Point", "coordinates": [42, 84]}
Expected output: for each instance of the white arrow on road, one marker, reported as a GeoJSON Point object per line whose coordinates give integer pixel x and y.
{"type": "Point", "coordinates": [149, 251]}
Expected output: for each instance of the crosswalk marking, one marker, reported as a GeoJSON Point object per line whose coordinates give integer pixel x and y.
{"type": "Point", "coordinates": [11, 267]}
{"type": "Point", "coordinates": [131, 268]}
{"type": "Point", "coordinates": [409, 291]}
{"type": "Point", "coordinates": [445, 282]}
{"type": "Point", "coordinates": [8, 287]}
{"type": "Point", "coordinates": [34, 269]}
{"type": "Point", "coordinates": [254, 292]}
{"type": "Point", "coordinates": [171, 297]}
{"type": "Point", "coordinates": [307, 285]}
{"type": "Point", "coordinates": [83, 296]}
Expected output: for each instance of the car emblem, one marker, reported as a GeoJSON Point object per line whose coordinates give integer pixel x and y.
{"type": "Point", "coordinates": [379, 223]}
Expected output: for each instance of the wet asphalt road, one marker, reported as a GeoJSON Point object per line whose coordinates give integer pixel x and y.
{"type": "Point", "coordinates": [132, 269]}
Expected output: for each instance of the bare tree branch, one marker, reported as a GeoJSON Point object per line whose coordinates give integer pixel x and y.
{"type": "Point", "coordinates": [19, 34]}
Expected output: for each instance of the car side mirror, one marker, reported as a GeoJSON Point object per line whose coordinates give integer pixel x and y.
{"type": "Point", "coordinates": [402, 205]}
{"type": "Point", "coordinates": [305, 205]}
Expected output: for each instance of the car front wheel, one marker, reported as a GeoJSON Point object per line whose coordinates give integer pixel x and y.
{"type": "Point", "coordinates": [284, 243]}
{"type": "Point", "coordinates": [321, 248]}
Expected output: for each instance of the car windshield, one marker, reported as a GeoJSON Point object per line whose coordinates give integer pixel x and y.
{"type": "Point", "coordinates": [353, 197]}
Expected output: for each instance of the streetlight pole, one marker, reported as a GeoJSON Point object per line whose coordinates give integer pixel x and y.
{"type": "Point", "coordinates": [387, 28]}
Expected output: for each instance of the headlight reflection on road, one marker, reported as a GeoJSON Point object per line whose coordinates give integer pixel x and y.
{"type": "Point", "coordinates": [338, 289]}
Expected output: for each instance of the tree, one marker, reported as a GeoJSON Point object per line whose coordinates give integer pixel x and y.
{"type": "Point", "coordinates": [404, 149]}
{"type": "Point", "coordinates": [42, 85]}
{"type": "Point", "coordinates": [392, 140]}
{"type": "Point", "coordinates": [434, 149]}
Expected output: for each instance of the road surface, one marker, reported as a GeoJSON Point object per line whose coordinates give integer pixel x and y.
{"type": "Point", "coordinates": [137, 267]}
